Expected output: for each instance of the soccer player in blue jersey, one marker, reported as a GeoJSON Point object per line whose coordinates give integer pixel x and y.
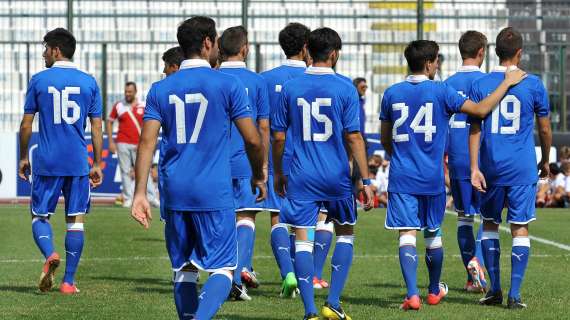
{"type": "Point", "coordinates": [320, 112]}
{"type": "Point", "coordinates": [195, 108]}
{"type": "Point", "coordinates": [233, 45]}
{"type": "Point", "coordinates": [293, 41]}
{"type": "Point", "coordinates": [472, 46]}
{"type": "Point", "coordinates": [508, 172]}
{"type": "Point", "coordinates": [64, 97]}
{"type": "Point", "coordinates": [415, 118]}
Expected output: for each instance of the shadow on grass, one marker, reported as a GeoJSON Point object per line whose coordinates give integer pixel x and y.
{"type": "Point", "coordinates": [168, 291]}
{"type": "Point", "coordinates": [243, 317]}
{"type": "Point", "coordinates": [149, 239]}
{"type": "Point", "coordinates": [33, 290]}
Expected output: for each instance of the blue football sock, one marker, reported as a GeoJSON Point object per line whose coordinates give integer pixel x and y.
{"type": "Point", "coordinates": [186, 294]}
{"type": "Point", "coordinates": [73, 248]}
{"type": "Point", "coordinates": [304, 270]}
{"type": "Point", "coordinates": [281, 247]}
{"type": "Point", "coordinates": [323, 238]}
{"type": "Point", "coordinates": [244, 238]}
{"type": "Point", "coordinates": [340, 265]}
{"type": "Point", "coordinates": [519, 262]}
{"type": "Point", "coordinates": [43, 236]}
{"type": "Point", "coordinates": [492, 255]}
{"type": "Point", "coordinates": [478, 249]}
{"type": "Point", "coordinates": [214, 292]}
{"type": "Point", "coordinates": [466, 241]}
{"type": "Point", "coordinates": [409, 263]}
{"type": "Point", "coordinates": [251, 250]}
{"type": "Point", "coordinates": [434, 259]}
{"type": "Point", "coordinates": [292, 246]}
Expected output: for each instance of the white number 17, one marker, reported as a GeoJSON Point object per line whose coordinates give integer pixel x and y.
{"type": "Point", "coordinates": [180, 110]}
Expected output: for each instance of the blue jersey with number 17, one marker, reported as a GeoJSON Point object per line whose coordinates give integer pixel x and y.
{"type": "Point", "coordinates": [419, 110]}
{"type": "Point", "coordinates": [507, 156]}
{"type": "Point", "coordinates": [195, 107]}
{"type": "Point", "coordinates": [318, 108]}
{"type": "Point", "coordinates": [64, 97]}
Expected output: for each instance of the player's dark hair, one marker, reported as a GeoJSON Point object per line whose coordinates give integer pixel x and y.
{"type": "Point", "coordinates": [554, 169]}
{"type": "Point", "coordinates": [62, 39]}
{"type": "Point", "coordinates": [322, 42]}
{"type": "Point", "coordinates": [419, 52]}
{"type": "Point", "coordinates": [173, 56]}
{"type": "Point", "coordinates": [192, 33]}
{"type": "Point", "coordinates": [509, 41]}
{"type": "Point", "coordinates": [470, 43]}
{"type": "Point", "coordinates": [293, 38]}
{"type": "Point", "coordinates": [357, 81]}
{"type": "Point", "coordinates": [131, 83]}
{"type": "Point", "coordinates": [232, 40]}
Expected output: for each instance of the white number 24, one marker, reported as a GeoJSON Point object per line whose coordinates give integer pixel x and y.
{"type": "Point", "coordinates": [180, 112]}
{"type": "Point", "coordinates": [424, 113]}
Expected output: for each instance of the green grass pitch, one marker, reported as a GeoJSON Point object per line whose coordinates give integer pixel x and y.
{"type": "Point", "coordinates": [125, 273]}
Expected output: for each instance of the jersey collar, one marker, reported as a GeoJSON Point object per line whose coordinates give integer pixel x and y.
{"type": "Point", "coordinates": [468, 69]}
{"type": "Point", "coordinates": [233, 64]}
{"type": "Point", "coordinates": [319, 70]}
{"type": "Point", "coordinates": [194, 63]}
{"type": "Point", "coordinates": [65, 64]}
{"type": "Point", "coordinates": [503, 69]}
{"type": "Point", "coordinates": [416, 78]}
{"type": "Point", "coordinates": [295, 63]}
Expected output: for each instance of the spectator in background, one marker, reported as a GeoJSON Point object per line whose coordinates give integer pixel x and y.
{"type": "Point", "coordinates": [172, 59]}
{"type": "Point", "coordinates": [564, 154]}
{"type": "Point", "coordinates": [361, 87]}
{"type": "Point", "coordinates": [129, 112]}
{"type": "Point", "coordinates": [547, 188]}
{"type": "Point", "coordinates": [561, 195]}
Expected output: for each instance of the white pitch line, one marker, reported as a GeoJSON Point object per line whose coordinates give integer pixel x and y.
{"type": "Point", "coordinates": [531, 237]}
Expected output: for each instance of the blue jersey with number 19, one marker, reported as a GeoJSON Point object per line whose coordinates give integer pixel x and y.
{"type": "Point", "coordinates": [419, 110]}
{"type": "Point", "coordinates": [195, 107]}
{"type": "Point", "coordinates": [318, 108]}
{"type": "Point", "coordinates": [64, 97]}
{"type": "Point", "coordinates": [507, 155]}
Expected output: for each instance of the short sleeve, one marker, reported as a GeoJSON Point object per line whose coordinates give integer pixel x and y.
{"type": "Point", "coordinates": [262, 102]}
{"type": "Point", "coordinates": [114, 114]}
{"type": "Point", "coordinates": [96, 107]}
{"type": "Point", "coordinates": [239, 102]}
{"type": "Point", "coordinates": [31, 105]}
{"type": "Point", "coordinates": [152, 108]}
{"type": "Point", "coordinates": [385, 113]}
{"type": "Point", "coordinates": [453, 99]}
{"type": "Point", "coordinates": [541, 104]}
{"type": "Point", "coordinates": [351, 112]}
{"type": "Point", "coordinates": [279, 117]}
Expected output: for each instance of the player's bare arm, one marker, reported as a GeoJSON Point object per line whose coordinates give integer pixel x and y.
{"type": "Point", "coordinates": [278, 147]}
{"type": "Point", "coordinates": [109, 129]}
{"type": "Point", "coordinates": [25, 135]}
{"type": "Point", "coordinates": [96, 173]}
{"type": "Point", "coordinates": [477, 178]}
{"type": "Point", "coordinates": [355, 144]}
{"type": "Point", "coordinates": [140, 210]}
{"type": "Point", "coordinates": [483, 108]}
{"type": "Point", "coordinates": [545, 136]}
{"type": "Point", "coordinates": [263, 125]}
{"type": "Point", "coordinates": [255, 154]}
{"type": "Point", "coordinates": [386, 136]}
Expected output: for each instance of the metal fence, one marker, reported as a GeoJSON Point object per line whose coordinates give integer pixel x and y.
{"type": "Point", "coordinates": [123, 40]}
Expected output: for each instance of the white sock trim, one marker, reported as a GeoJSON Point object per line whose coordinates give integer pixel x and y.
{"type": "Point", "coordinates": [304, 245]}
{"type": "Point", "coordinates": [325, 226]}
{"type": "Point", "coordinates": [521, 242]}
{"type": "Point", "coordinates": [35, 219]}
{"type": "Point", "coordinates": [407, 240]}
{"type": "Point", "coordinates": [226, 273]}
{"type": "Point", "coordinates": [186, 276]}
{"type": "Point", "coordinates": [280, 225]}
{"type": "Point", "coordinates": [246, 223]}
{"type": "Point", "coordinates": [345, 239]}
{"type": "Point", "coordinates": [77, 226]}
{"type": "Point", "coordinates": [465, 221]}
{"type": "Point", "coordinates": [490, 235]}
{"type": "Point", "coordinates": [433, 243]}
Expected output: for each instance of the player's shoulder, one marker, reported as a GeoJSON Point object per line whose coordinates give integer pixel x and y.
{"type": "Point", "coordinates": [533, 80]}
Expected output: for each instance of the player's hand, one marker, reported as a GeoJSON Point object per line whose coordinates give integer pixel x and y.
{"type": "Point", "coordinates": [24, 169]}
{"type": "Point", "coordinates": [543, 170]}
{"type": "Point", "coordinates": [261, 186]}
{"type": "Point", "coordinates": [140, 211]}
{"type": "Point", "coordinates": [514, 76]}
{"type": "Point", "coordinates": [95, 176]}
{"type": "Point", "coordinates": [112, 147]}
{"type": "Point", "coordinates": [368, 197]}
{"type": "Point", "coordinates": [478, 181]}
{"type": "Point", "coordinates": [280, 185]}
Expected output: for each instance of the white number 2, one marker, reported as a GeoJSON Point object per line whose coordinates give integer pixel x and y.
{"type": "Point", "coordinates": [424, 113]}
{"type": "Point", "coordinates": [313, 110]}
{"type": "Point", "coordinates": [514, 116]}
{"type": "Point", "coordinates": [180, 111]}
{"type": "Point", "coordinates": [62, 104]}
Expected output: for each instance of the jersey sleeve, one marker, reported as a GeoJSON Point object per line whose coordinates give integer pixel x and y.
{"type": "Point", "coordinates": [351, 112]}
{"type": "Point", "coordinates": [263, 102]}
{"type": "Point", "coordinates": [239, 102]}
{"type": "Point", "coordinates": [96, 107]}
{"type": "Point", "coordinates": [31, 105]}
{"type": "Point", "coordinates": [152, 108]}
{"type": "Point", "coordinates": [279, 117]}
{"type": "Point", "coordinates": [114, 114]}
{"type": "Point", "coordinates": [385, 113]}
{"type": "Point", "coordinates": [453, 99]}
{"type": "Point", "coordinates": [541, 104]}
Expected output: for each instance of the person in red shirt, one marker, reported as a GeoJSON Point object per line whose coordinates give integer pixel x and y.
{"type": "Point", "coordinates": [129, 112]}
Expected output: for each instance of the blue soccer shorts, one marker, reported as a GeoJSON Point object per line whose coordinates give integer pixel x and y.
{"type": "Point", "coordinates": [304, 213]}
{"type": "Point", "coordinates": [272, 201]}
{"type": "Point", "coordinates": [467, 200]}
{"type": "Point", "coordinates": [409, 211]}
{"type": "Point", "coordinates": [47, 189]}
{"type": "Point", "coordinates": [244, 199]}
{"type": "Point", "coordinates": [520, 201]}
{"type": "Point", "coordinates": [206, 239]}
